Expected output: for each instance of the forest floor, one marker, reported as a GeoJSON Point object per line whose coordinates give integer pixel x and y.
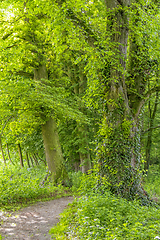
{"type": "Point", "coordinates": [33, 222]}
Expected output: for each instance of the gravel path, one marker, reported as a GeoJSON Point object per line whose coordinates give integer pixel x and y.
{"type": "Point", "coordinates": [33, 222]}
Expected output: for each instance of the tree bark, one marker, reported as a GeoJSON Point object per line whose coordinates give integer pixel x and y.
{"type": "Point", "coordinates": [119, 150]}
{"type": "Point", "coordinates": [51, 142]}
{"type": "Point", "coordinates": [150, 131]}
{"type": "Point", "coordinates": [20, 155]}
{"type": "Point", "coordinates": [84, 157]}
{"type": "Point", "coordinates": [35, 159]}
{"type": "Point", "coordinates": [79, 82]}
{"type": "Point", "coordinates": [27, 158]}
{"type": "Point", "coordinates": [31, 160]}
{"type": "Point", "coordinates": [9, 154]}
{"type": "Point", "coordinates": [4, 159]}
{"type": "Point", "coordinates": [40, 158]}
{"type": "Point", "coordinates": [53, 150]}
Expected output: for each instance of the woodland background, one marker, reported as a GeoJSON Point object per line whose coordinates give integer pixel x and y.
{"type": "Point", "coordinates": [79, 98]}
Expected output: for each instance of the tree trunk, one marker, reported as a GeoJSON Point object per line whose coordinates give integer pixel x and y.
{"type": "Point", "coordinates": [119, 149]}
{"type": "Point", "coordinates": [40, 158]}
{"type": "Point", "coordinates": [31, 160]}
{"type": "Point", "coordinates": [27, 158]}
{"type": "Point", "coordinates": [79, 82]}
{"type": "Point", "coordinates": [84, 156]}
{"type": "Point", "coordinates": [149, 138]}
{"type": "Point", "coordinates": [4, 160]}
{"type": "Point", "coordinates": [20, 155]}
{"type": "Point", "coordinates": [9, 154]}
{"type": "Point", "coordinates": [52, 145]}
{"type": "Point", "coordinates": [53, 150]}
{"type": "Point", "coordinates": [35, 159]}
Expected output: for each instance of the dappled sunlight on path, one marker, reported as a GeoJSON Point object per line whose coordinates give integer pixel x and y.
{"type": "Point", "coordinates": [33, 222]}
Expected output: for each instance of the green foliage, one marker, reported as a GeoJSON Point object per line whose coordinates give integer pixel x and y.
{"type": "Point", "coordinates": [114, 158]}
{"type": "Point", "coordinates": [107, 217]}
{"type": "Point", "coordinates": [79, 43]}
{"type": "Point", "coordinates": [75, 181]}
{"type": "Point", "coordinates": [152, 182]}
{"type": "Point", "coordinates": [23, 186]}
{"type": "Point", "coordinates": [100, 215]}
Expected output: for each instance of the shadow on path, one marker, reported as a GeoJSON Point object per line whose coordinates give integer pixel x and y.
{"type": "Point", "coordinates": [33, 222]}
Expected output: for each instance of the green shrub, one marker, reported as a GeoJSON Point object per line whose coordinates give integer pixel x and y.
{"type": "Point", "coordinates": [107, 217]}
{"type": "Point", "coordinates": [23, 185]}
{"type": "Point", "coordinates": [76, 180]}
{"type": "Point", "coordinates": [152, 182]}
{"type": "Point", "coordinates": [100, 215]}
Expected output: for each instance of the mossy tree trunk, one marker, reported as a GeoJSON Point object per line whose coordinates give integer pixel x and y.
{"type": "Point", "coordinates": [53, 150]}
{"type": "Point", "coordinates": [119, 149]}
{"type": "Point", "coordinates": [50, 135]}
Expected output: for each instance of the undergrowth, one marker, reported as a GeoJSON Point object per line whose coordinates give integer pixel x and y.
{"type": "Point", "coordinates": [20, 187]}
{"type": "Point", "coordinates": [152, 182]}
{"type": "Point", "coordinates": [97, 215]}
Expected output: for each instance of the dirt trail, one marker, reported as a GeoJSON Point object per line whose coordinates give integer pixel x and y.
{"type": "Point", "coordinates": [33, 222]}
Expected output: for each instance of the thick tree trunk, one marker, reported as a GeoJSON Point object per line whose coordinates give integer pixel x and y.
{"type": "Point", "coordinates": [52, 145]}
{"type": "Point", "coordinates": [20, 155]}
{"type": "Point", "coordinates": [119, 152]}
{"type": "Point", "coordinates": [119, 149]}
{"type": "Point", "coordinates": [53, 150]}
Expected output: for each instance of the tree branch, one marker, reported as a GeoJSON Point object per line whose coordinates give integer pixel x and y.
{"type": "Point", "coordinates": [150, 129]}
{"type": "Point", "coordinates": [7, 35]}
{"type": "Point", "coordinates": [152, 90]}
{"type": "Point", "coordinates": [6, 124]}
{"type": "Point", "coordinates": [120, 2]}
{"type": "Point", "coordinates": [145, 98]}
{"type": "Point", "coordinates": [89, 34]}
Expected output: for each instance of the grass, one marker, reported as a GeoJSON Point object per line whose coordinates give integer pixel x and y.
{"type": "Point", "coordinates": [22, 187]}
{"type": "Point", "coordinates": [104, 216]}
{"type": "Point", "coordinates": [108, 217]}
{"type": "Point", "coordinates": [92, 216]}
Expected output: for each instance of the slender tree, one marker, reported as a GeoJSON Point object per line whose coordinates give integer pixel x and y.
{"type": "Point", "coordinates": [20, 155]}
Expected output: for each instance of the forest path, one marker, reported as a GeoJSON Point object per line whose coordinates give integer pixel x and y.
{"type": "Point", "coordinates": [33, 222]}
